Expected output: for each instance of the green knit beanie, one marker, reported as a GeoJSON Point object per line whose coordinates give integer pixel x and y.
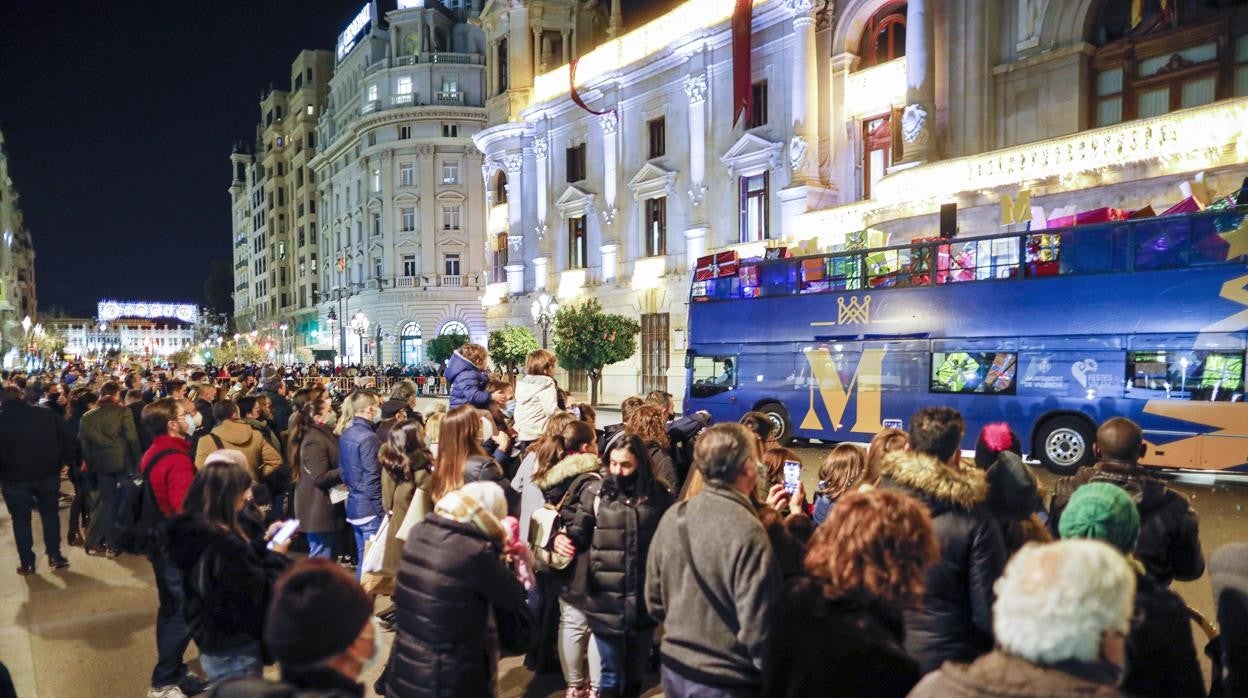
{"type": "Point", "coordinates": [1104, 512]}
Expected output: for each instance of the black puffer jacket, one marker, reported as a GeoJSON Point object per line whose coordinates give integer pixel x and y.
{"type": "Point", "coordinates": [450, 576]}
{"type": "Point", "coordinates": [1169, 544]}
{"type": "Point", "coordinates": [618, 537]}
{"type": "Point", "coordinates": [664, 467]}
{"type": "Point", "coordinates": [1161, 657]}
{"type": "Point", "coordinates": [955, 621]}
{"type": "Point", "coordinates": [228, 581]}
{"type": "Point", "coordinates": [567, 482]}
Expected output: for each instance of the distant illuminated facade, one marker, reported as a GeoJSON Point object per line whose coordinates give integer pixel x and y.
{"type": "Point", "coordinates": [133, 328]}
{"type": "Point", "coordinates": [866, 114]}
{"type": "Point", "coordinates": [17, 266]}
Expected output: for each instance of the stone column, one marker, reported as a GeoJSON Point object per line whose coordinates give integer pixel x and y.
{"type": "Point", "coordinates": [521, 49]}
{"type": "Point", "coordinates": [539, 58]}
{"type": "Point", "coordinates": [514, 165]}
{"type": "Point", "coordinates": [918, 119]}
{"type": "Point", "coordinates": [802, 89]}
{"type": "Point", "coordinates": [695, 90]}
{"type": "Point", "coordinates": [610, 124]}
{"type": "Point", "coordinates": [541, 147]}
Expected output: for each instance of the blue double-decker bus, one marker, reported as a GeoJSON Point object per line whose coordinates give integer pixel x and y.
{"type": "Point", "coordinates": [1052, 331]}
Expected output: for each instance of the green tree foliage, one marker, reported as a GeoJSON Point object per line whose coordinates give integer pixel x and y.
{"type": "Point", "coordinates": [587, 339]}
{"type": "Point", "coordinates": [441, 347]}
{"type": "Point", "coordinates": [509, 346]}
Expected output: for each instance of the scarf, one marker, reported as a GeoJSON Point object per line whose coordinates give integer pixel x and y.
{"type": "Point", "coordinates": [461, 508]}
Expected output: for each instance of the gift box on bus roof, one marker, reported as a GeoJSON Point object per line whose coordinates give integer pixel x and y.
{"type": "Point", "coordinates": [865, 239]}
{"type": "Point", "coordinates": [715, 266]}
{"type": "Point", "coordinates": [1097, 215]}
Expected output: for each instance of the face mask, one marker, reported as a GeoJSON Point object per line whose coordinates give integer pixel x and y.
{"type": "Point", "coordinates": [198, 421]}
{"type": "Point", "coordinates": [331, 418]}
{"type": "Point", "coordinates": [189, 423]}
{"type": "Point", "coordinates": [377, 417]}
{"type": "Point", "coordinates": [510, 409]}
{"type": "Point", "coordinates": [487, 429]}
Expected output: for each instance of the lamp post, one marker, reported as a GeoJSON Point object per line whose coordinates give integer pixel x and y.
{"type": "Point", "coordinates": [359, 323]}
{"type": "Point", "coordinates": [285, 355]}
{"type": "Point", "coordinates": [330, 319]}
{"type": "Point", "coordinates": [340, 294]}
{"type": "Point", "coordinates": [543, 310]}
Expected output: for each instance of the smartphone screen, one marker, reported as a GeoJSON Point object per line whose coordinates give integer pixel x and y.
{"type": "Point", "coordinates": [284, 533]}
{"type": "Point", "coordinates": [792, 474]}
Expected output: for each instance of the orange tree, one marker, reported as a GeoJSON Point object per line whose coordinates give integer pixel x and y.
{"type": "Point", "coordinates": [587, 339]}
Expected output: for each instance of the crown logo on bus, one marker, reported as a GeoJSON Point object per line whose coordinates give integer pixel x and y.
{"type": "Point", "coordinates": [853, 311]}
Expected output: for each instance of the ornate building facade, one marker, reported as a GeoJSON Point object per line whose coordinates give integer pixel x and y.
{"type": "Point", "coordinates": [17, 267]}
{"type": "Point", "coordinates": [402, 244]}
{"type": "Point", "coordinates": [867, 114]}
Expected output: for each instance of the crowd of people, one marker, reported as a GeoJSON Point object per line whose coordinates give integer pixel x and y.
{"type": "Point", "coordinates": [288, 524]}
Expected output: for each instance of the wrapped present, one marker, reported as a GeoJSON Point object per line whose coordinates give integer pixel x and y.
{"type": "Point", "coordinates": [1096, 215]}
{"type": "Point", "coordinates": [714, 266]}
{"type": "Point", "coordinates": [1146, 212]}
{"type": "Point", "coordinates": [748, 273]}
{"type": "Point", "coordinates": [1188, 205]}
{"type": "Point", "coordinates": [776, 253]}
{"type": "Point", "coordinates": [806, 247]}
{"type": "Point", "coordinates": [866, 239]}
{"type": "Point", "coordinates": [814, 269]}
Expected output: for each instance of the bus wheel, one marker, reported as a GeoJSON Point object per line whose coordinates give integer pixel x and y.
{"type": "Point", "coordinates": [1063, 444]}
{"type": "Point", "coordinates": [780, 420]}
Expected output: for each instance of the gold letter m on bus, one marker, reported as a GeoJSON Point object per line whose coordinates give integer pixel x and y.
{"type": "Point", "coordinates": [835, 395]}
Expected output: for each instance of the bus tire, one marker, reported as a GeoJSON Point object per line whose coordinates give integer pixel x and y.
{"type": "Point", "coordinates": [1063, 444]}
{"type": "Point", "coordinates": [779, 417]}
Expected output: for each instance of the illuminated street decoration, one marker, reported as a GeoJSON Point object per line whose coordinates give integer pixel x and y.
{"type": "Point", "coordinates": [347, 39]}
{"type": "Point", "coordinates": [111, 310]}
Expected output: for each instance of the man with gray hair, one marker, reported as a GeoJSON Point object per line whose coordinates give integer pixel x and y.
{"type": "Point", "coordinates": [711, 576]}
{"type": "Point", "coordinates": [1061, 619]}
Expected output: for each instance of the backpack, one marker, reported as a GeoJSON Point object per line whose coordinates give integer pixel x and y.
{"type": "Point", "coordinates": [137, 523]}
{"type": "Point", "coordinates": [545, 524]}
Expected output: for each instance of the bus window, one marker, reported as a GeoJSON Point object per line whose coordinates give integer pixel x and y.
{"type": "Point", "coordinates": [1186, 375]}
{"type": "Point", "coordinates": [1162, 243]}
{"type": "Point", "coordinates": [713, 375]}
{"type": "Point", "coordinates": [973, 372]}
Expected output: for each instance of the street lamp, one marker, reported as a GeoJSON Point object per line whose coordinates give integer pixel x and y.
{"type": "Point", "coordinates": [283, 327]}
{"type": "Point", "coordinates": [330, 320]}
{"type": "Point", "coordinates": [543, 310]}
{"type": "Point", "coordinates": [359, 323]}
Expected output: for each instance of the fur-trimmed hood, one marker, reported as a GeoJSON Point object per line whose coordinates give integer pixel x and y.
{"type": "Point", "coordinates": [964, 486]}
{"type": "Point", "coordinates": [566, 469]}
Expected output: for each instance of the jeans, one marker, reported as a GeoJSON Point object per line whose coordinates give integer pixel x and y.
{"type": "Point", "coordinates": [100, 534]}
{"type": "Point", "coordinates": [243, 660]}
{"type": "Point", "coordinates": [78, 518]}
{"type": "Point", "coordinates": [623, 663]}
{"type": "Point", "coordinates": [677, 686]}
{"type": "Point", "coordinates": [575, 646]}
{"type": "Point", "coordinates": [362, 533]}
{"type": "Point", "coordinates": [320, 545]}
{"type": "Point", "coordinates": [22, 498]}
{"type": "Point", "coordinates": [172, 634]}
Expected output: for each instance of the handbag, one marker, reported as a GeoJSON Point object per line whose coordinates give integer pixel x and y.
{"type": "Point", "coordinates": [544, 526]}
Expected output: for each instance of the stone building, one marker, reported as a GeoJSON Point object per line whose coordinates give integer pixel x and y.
{"type": "Point", "coordinates": [274, 207]}
{"type": "Point", "coordinates": [866, 114]}
{"type": "Point", "coordinates": [402, 244]}
{"type": "Point", "coordinates": [17, 267]}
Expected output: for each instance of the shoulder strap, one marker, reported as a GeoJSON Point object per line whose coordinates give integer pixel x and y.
{"type": "Point", "coordinates": [571, 487]}
{"type": "Point", "coordinates": [726, 616]}
{"type": "Point", "coordinates": [216, 440]}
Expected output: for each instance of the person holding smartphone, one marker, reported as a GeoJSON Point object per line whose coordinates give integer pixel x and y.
{"type": "Point", "coordinates": [228, 574]}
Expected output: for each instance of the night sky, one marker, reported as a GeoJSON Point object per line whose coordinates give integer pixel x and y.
{"type": "Point", "coordinates": [119, 117]}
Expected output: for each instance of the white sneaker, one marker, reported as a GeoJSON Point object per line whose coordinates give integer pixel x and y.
{"type": "Point", "coordinates": [170, 691]}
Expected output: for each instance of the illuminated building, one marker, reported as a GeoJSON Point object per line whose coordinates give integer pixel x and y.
{"type": "Point", "coordinates": [274, 206]}
{"type": "Point", "coordinates": [138, 329]}
{"type": "Point", "coordinates": [402, 212]}
{"type": "Point", "coordinates": [869, 113]}
{"type": "Point", "coordinates": [17, 267]}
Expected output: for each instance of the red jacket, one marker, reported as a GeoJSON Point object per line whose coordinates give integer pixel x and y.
{"type": "Point", "coordinates": [172, 476]}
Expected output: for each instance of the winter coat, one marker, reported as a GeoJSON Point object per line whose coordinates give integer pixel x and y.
{"type": "Point", "coordinates": [537, 398]}
{"type": "Point", "coordinates": [110, 443]}
{"type": "Point", "coordinates": [1161, 657]}
{"type": "Point", "coordinates": [719, 640]}
{"type": "Point", "coordinates": [450, 576]}
{"type": "Point", "coordinates": [237, 435]}
{"type": "Point", "coordinates": [172, 475]}
{"type": "Point", "coordinates": [1169, 545]}
{"type": "Point", "coordinates": [227, 580]}
{"type": "Point", "coordinates": [30, 442]}
{"type": "Point", "coordinates": [837, 647]}
{"type": "Point", "coordinates": [663, 467]}
{"type": "Point", "coordinates": [360, 470]}
{"type": "Point", "coordinates": [145, 438]}
{"type": "Point", "coordinates": [397, 498]}
{"type": "Point", "coordinates": [282, 410]}
{"type": "Point", "coordinates": [467, 383]}
{"type": "Point", "coordinates": [955, 620]}
{"type": "Point", "coordinates": [300, 682]}
{"type": "Point", "coordinates": [318, 473]}
{"type": "Point", "coordinates": [566, 482]}
{"type": "Point", "coordinates": [483, 469]}
{"type": "Point", "coordinates": [999, 675]}
{"type": "Point", "coordinates": [616, 528]}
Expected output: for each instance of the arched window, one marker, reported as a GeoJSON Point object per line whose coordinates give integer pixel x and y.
{"type": "Point", "coordinates": [411, 344]}
{"type": "Point", "coordinates": [453, 327]}
{"type": "Point", "coordinates": [500, 187]}
{"type": "Point", "coordinates": [1154, 57]}
{"type": "Point", "coordinates": [884, 37]}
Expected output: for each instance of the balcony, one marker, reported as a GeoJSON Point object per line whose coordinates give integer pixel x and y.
{"type": "Point", "coordinates": [456, 281]}
{"type": "Point", "coordinates": [877, 89]}
{"type": "Point", "coordinates": [370, 107]}
{"type": "Point", "coordinates": [403, 100]}
{"type": "Point", "coordinates": [462, 58]}
{"type": "Point", "coordinates": [379, 65]}
{"type": "Point", "coordinates": [448, 97]}
{"type": "Point", "coordinates": [405, 282]}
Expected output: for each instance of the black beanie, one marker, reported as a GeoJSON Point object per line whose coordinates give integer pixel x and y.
{"type": "Point", "coordinates": [318, 610]}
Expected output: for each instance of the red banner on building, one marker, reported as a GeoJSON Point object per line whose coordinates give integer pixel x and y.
{"type": "Point", "coordinates": [576, 97]}
{"type": "Point", "coordinates": [742, 20]}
